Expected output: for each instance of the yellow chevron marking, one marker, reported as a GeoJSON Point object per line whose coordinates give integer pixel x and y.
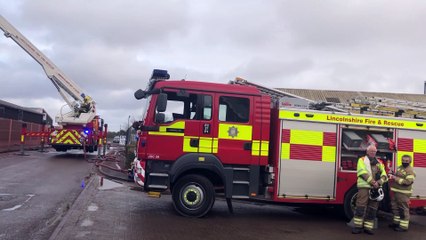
{"type": "Point", "coordinates": [70, 137]}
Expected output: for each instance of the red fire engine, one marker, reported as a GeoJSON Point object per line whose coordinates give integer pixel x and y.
{"type": "Point", "coordinates": [242, 141]}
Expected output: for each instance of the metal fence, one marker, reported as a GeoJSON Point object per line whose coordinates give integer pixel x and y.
{"type": "Point", "coordinates": [10, 135]}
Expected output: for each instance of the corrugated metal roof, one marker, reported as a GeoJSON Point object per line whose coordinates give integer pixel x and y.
{"type": "Point", "coordinates": [14, 106]}
{"type": "Point", "coordinates": [12, 110]}
{"type": "Point", "coordinates": [345, 96]}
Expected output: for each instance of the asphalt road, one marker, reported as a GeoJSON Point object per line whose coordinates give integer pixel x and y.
{"type": "Point", "coordinates": [120, 211]}
{"type": "Point", "coordinates": [41, 198]}
{"type": "Point", "coordinates": [37, 190]}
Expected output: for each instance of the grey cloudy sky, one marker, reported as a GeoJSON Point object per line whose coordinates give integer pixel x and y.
{"type": "Point", "coordinates": [109, 48]}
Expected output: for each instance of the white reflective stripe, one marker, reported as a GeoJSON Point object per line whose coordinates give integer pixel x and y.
{"type": "Point", "coordinates": [142, 171]}
{"type": "Point", "coordinates": [401, 191]}
{"type": "Point", "coordinates": [138, 181]}
{"type": "Point", "coordinates": [396, 219]}
{"type": "Point", "coordinates": [403, 224]}
{"type": "Point", "coordinates": [358, 220]}
{"type": "Point", "coordinates": [368, 225]}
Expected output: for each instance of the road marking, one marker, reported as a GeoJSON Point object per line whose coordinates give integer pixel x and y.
{"type": "Point", "coordinates": [19, 205]}
{"type": "Point", "coordinates": [92, 207]}
{"type": "Point", "coordinates": [86, 223]}
{"type": "Point", "coordinates": [82, 234]}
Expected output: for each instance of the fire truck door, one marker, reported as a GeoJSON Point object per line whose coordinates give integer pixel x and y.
{"type": "Point", "coordinates": [308, 159]}
{"type": "Point", "coordinates": [206, 128]}
{"type": "Point", "coordinates": [178, 132]}
{"type": "Point", "coordinates": [234, 131]}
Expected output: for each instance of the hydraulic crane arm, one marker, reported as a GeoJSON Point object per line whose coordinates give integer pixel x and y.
{"type": "Point", "coordinates": [63, 83]}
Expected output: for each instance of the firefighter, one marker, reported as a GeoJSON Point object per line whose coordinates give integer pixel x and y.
{"type": "Point", "coordinates": [86, 105]}
{"type": "Point", "coordinates": [401, 188]}
{"type": "Point", "coordinates": [371, 176]}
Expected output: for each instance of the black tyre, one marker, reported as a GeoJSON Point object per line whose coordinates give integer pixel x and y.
{"type": "Point", "coordinates": [350, 203]}
{"type": "Point", "coordinates": [89, 149]}
{"type": "Point", "coordinates": [60, 149]}
{"type": "Point", "coordinates": [193, 196]}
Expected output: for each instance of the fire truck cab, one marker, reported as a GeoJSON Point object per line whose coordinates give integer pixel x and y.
{"type": "Point", "coordinates": [200, 140]}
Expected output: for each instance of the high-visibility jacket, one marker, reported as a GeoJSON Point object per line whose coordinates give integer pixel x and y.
{"type": "Point", "coordinates": [404, 180]}
{"type": "Point", "coordinates": [365, 179]}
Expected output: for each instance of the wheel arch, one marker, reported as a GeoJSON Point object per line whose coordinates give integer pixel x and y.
{"type": "Point", "coordinates": [206, 165]}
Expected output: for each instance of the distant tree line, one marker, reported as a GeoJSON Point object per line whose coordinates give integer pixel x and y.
{"type": "Point", "coordinates": [111, 135]}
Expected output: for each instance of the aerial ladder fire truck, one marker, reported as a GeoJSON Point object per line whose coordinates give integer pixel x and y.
{"type": "Point", "coordinates": [245, 141]}
{"type": "Point", "coordinates": [79, 127]}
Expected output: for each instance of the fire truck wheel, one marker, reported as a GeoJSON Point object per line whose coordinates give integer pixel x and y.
{"type": "Point", "coordinates": [89, 149]}
{"type": "Point", "coordinates": [193, 196]}
{"type": "Point", "coordinates": [350, 203]}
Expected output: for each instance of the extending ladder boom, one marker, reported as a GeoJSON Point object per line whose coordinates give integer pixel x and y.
{"type": "Point", "coordinates": [65, 86]}
{"type": "Point", "coordinates": [276, 95]}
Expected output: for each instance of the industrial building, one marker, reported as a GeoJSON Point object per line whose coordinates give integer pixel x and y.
{"type": "Point", "coordinates": [12, 117]}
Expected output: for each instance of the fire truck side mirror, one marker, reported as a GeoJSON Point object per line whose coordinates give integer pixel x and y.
{"type": "Point", "coordinates": [160, 118]}
{"type": "Point", "coordinates": [139, 94]}
{"type": "Point", "coordinates": [136, 125]}
{"type": "Point", "coordinates": [161, 102]}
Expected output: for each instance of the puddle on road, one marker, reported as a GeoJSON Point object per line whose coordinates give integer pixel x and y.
{"type": "Point", "coordinates": [108, 184]}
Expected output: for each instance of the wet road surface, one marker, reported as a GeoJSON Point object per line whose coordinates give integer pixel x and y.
{"type": "Point", "coordinates": [37, 190]}
{"type": "Point", "coordinates": [41, 198]}
{"type": "Point", "coordinates": [121, 212]}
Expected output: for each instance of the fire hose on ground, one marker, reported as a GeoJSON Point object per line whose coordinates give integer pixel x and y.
{"type": "Point", "coordinates": [111, 161]}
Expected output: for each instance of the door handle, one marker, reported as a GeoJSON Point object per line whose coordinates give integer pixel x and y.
{"type": "Point", "coordinates": [194, 142]}
{"type": "Point", "coordinates": [206, 128]}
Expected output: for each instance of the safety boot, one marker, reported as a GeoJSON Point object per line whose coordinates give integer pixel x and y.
{"type": "Point", "coordinates": [399, 229]}
{"type": "Point", "coordinates": [369, 231]}
{"type": "Point", "coordinates": [393, 225]}
{"type": "Point", "coordinates": [356, 230]}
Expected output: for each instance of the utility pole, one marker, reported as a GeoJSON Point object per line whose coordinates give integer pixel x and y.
{"type": "Point", "coordinates": [128, 131]}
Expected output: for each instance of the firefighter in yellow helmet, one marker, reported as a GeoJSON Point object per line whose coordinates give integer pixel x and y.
{"type": "Point", "coordinates": [401, 187]}
{"type": "Point", "coordinates": [371, 176]}
{"type": "Point", "coordinates": [86, 105]}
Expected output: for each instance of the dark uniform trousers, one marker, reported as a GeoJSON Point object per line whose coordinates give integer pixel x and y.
{"type": "Point", "coordinates": [366, 209]}
{"type": "Point", "coordinates": [400, 209]}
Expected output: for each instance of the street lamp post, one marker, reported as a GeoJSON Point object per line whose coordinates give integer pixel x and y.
{"type": "Point", "coordinates": [128, 131]}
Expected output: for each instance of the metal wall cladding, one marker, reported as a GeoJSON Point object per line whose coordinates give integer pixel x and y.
{"type": "Point", "coordinates": [10, 135]}
{"type": "Point", "coordinates": [32, 117]}
{"type": "Point", "coordinates": [4, 130]}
